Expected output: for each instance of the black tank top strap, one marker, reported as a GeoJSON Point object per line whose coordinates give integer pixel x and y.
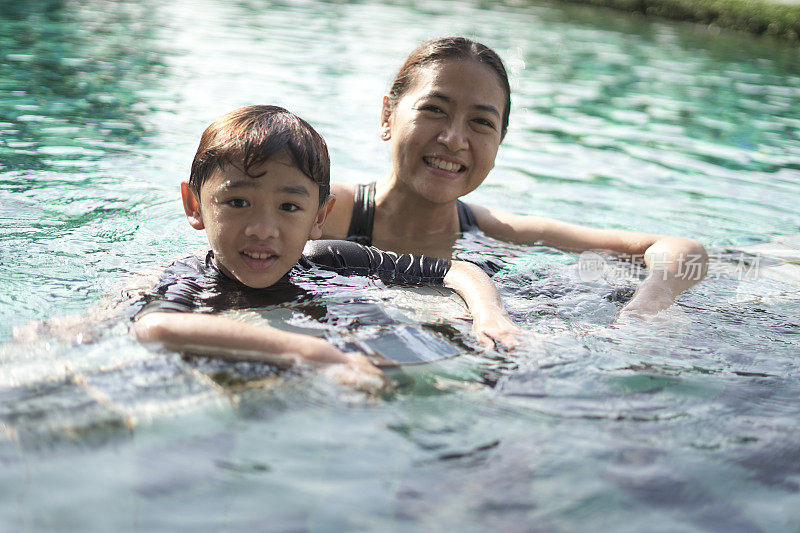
{"type": "Point", "coordinates": [466, 218]}
{"type": "Point", "coordinates": [363, 217]}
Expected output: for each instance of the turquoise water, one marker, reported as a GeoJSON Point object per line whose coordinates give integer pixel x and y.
{"type": "Point", "coordinates": [690, 423]}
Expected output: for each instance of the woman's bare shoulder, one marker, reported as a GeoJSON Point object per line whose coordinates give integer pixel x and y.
{"type": "Point", "coordinates": [338, 221]}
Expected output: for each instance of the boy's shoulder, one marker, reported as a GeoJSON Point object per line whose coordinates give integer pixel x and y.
{"type": "Point", "coordinates": [194, 269]}
{"type": "Point", "coordinates": [190, 266]}
{"type": "Point", "coordinates": [195, 284]}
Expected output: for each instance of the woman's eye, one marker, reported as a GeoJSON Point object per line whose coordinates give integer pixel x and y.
{"type": "Point", "coordinates": [485, 122]}
{"type": "Point", "coordinates": [289, 207]}
{"type": "Point", "coordinates": [238, 202]}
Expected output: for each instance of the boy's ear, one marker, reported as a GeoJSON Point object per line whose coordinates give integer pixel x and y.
{"type": "Point", "coordinates": [191, 206]}
{"type": "Point", "coordinates": [322, 215]}
{"type": "Point", "coordinates": [386, 115]}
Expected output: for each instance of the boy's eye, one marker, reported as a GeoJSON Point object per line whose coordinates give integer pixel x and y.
{"type": "Point", "coordinates": [238, 202]}
{"type": "Point", "coordinates": [288, 206]}
{"type": "Point", "coordinates": [432, 108]}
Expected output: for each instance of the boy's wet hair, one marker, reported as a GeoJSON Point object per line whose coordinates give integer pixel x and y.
{"type": "Point", "coordinates": [251, 135]}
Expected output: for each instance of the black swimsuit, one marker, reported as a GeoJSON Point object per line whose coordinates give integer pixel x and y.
{"type": "Point", "coordinates": [195, 284]}
{"type": "Point", "coordinates": [363, 217]}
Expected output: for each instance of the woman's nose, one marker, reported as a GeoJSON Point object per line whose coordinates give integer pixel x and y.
{"type": "Point", "coordinates": [453, 137]}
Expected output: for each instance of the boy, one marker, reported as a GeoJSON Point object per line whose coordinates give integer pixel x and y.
{"type": "Point", "coordinates": [259, 187]}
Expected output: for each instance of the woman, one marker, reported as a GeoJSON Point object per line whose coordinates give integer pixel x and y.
{"type": "Point", "coordinates": [446, 115]}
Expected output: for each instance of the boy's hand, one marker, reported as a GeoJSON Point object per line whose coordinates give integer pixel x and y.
{"type": "Point", "coordinates": [359, 373]}
{"type": "Point", "coordinates": [350, 369]}
{"type": "Point", "coordinates": [497, 331]}
{"type": "Point", "coordinates": [222, 337]}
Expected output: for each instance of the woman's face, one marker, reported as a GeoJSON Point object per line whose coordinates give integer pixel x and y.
{"type": "Point", "coordinates": [446, 129]}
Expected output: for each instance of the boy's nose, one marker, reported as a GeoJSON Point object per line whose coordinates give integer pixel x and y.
{"type": "Point", "coordinates": [453, 137]}
{"type": "Point", "coordinates": [262, 227]}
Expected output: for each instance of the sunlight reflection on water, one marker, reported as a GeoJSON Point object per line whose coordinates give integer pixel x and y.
{"type": "Point", "coordinates": [687, 422]}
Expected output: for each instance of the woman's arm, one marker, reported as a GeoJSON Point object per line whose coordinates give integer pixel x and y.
{"type": "Point", "coordinates": [490, 320]}
{"type": "Point", "coordinates": [491, 323]}
{"type": "Point", "coordinates": [675, 263]}
{"type": "Point", "coordinates": [222, 337]}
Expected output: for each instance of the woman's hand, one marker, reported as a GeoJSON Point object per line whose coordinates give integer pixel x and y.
{"type": "Point", "coordinates": [491, 324]}
{"type": "Point", "coordinates": [649, 299]}
{"type": "Point", "coordinates": [675, 265]}
{"type": "Point", "coordinates": [496, 330]}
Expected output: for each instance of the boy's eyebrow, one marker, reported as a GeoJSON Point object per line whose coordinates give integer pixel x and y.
{"type": "Point", "coordinates": [248, 183]}
{"type": "Point", "coordinates": [237, 183]}
{"type": "Point", "coordinates": [295, 189]}
{"type": "Point", "coordinates": [483, 107]}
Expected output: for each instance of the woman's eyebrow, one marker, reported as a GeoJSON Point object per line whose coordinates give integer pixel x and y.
{"type": "Point", "coordinates": [483, 107]}
{"type": "Point", "coordinates": [488, 108]}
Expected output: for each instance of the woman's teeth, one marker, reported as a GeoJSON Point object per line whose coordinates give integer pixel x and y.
{"type": "Point", "coordinates": [441, 164]}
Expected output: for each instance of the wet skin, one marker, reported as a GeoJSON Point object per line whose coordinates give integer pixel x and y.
{"type": "Point", "coordinates": [257, 226]}
{"type": "Point", "coordinates": [446, 130]}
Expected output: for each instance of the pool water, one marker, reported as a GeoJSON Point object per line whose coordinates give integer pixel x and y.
{"type": "Point", "coordinates": [687, 423]}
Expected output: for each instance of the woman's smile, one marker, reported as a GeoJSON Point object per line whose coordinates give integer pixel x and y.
{"type": "Point", "coordinates": [437, 163]}
{"type": "Point", "coordinates": [446, 126]}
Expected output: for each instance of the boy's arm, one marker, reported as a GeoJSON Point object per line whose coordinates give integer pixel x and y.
{"type": "Point", "coordinates": [222, 337]}
{"type": "Point", "coordinates": [491, 323]}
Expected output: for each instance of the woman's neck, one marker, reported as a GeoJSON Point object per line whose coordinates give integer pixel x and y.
{"type": "Point", "coordinates": [406, 213]}
{"type": "Point", "coordinates": [405, 221]}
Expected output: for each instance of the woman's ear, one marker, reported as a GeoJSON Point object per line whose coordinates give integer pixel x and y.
{"type": "Point", "coordinates": [322, 215]}
{"type": "Point", "coordinates": [386, 115]}
{"type": "Point", "coordinates": [191, 205]}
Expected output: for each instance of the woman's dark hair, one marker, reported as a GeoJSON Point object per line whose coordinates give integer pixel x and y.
{"type": "Point", "coordinates": [443, 49]}
{"type": "Point", "coordinates": [251, 135]}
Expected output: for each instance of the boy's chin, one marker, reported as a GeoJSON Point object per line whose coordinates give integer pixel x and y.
{"type": "Point", "coordinates": [250, 279]}
{"type": "Point", "coordinates": [254, 281]}
{"type": "Point", "coordinates": [258, 284]}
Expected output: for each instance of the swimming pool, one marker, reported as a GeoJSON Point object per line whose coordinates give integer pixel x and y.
{"type": "Point", "coordinates": [688, 423]}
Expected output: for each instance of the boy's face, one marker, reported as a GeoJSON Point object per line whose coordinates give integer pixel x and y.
{"type": "Point", "coordinates": [257, 227]}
